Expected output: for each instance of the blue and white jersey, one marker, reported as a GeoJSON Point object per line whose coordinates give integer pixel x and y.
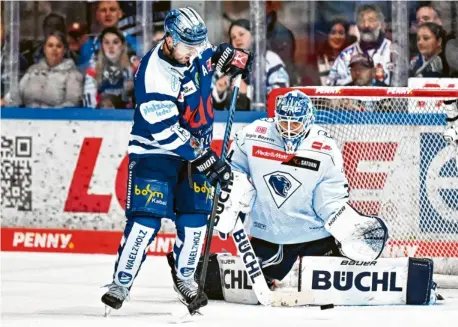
{"type": "Point", "coordinates": [295, 194]}
{"type": "Point", "coordinates": [340, 73]}
{"type": "Point", "coordinates": [174, 113]}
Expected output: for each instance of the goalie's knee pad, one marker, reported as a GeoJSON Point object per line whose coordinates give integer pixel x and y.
{"type": "Point", "coordinates": [359, 237]}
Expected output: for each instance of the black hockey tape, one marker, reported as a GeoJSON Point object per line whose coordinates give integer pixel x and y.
{"type": "Point", "coordinates": [327, 306]}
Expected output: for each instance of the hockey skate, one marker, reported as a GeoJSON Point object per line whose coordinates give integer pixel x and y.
{"type": "Point", "coordinates": [187, 290]}
{"type": "Point", "coordinates": [114, 298]}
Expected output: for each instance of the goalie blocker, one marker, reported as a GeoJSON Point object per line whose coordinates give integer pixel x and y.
{"type": "Point", "coordinates": [336, 280]}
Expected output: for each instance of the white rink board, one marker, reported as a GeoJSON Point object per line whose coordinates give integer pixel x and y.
{"type": "Point", "coordinates": [57, 145]}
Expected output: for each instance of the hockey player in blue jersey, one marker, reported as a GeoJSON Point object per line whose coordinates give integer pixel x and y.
{"type": "Point", "coordinates": [171, 167]}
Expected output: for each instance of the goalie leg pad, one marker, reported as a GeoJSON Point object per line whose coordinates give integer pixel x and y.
{"type": "Point", "coordinates": [342, 281]}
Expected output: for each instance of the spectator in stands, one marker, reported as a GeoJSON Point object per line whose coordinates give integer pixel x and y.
{"type": "Point", "coordinates": [363, 71]}
{"type": "Point", "coordinates": [158, 35]}
{"type": "Point", "coordinates": [108, 14]}
{"type": "Point", "coordinates": [281, 40]}
{"type": "Point", "coordinates": [327, 52]}
{"type": "Point", "coordinates": [111, 73]}
{"type": "Point", "coordinates": [241, 37]}
{"type": "Point", "coordinates": [52, 83]}
{"type": "Point", "coordinates": [425, 14]}
{"type": "Point", "coordinates": [370, 22]}
{"type": "Point", "coordinates": [77, 36]}
{"type": "Point", "coordinates": [5, 76]}
{"type": "Point", "coordinates": [451, 56]}
{"type": "Point", "coordinates": [53, 22]}
{"type": "Point", "coordinates": [430, 61]}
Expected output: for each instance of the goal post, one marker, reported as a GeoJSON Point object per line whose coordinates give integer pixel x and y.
{"type": "Point", "coordinates": [397, 163]}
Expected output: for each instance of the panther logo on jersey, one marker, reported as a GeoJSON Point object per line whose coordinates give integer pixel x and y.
{"type": "Point", "coordinates": [280, 184]}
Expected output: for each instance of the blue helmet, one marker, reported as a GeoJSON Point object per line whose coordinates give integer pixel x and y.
{"type": "Point", "coordinates": [186, 26]}
{"type": "Point", "coordinates": [294, 115]}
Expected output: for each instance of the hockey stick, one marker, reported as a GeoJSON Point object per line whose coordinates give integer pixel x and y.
{"type": "Point", "coordinates": [198, 302]}
{"type": "Point", "coordinates": [263, 293]}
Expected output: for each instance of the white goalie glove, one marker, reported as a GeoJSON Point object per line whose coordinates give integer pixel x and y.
{"type": "Point", "coordinates": [236, 198]}
{"type": "Point", "coordinates": [360, 238]}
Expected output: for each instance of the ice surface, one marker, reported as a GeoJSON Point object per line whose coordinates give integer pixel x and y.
{"type": "Point", "coordinates": [64, 290]}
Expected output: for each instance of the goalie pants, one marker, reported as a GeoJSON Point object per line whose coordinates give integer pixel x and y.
{"type": "Point", "coordinates": [277, 260]}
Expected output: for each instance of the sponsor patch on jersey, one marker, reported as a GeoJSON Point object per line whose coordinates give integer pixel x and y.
{"type": "Point", "coordinates": [175, 84]}
{"type": "Point", "coordinates": [209, 64]}
{"type": "Point", "coordinates": [189, 88]}
{"type": "Point", "coordinates": [155, 111]}
{"type": "Point", "coordinates": [261, 129]}
{"type": "Point", "coordinates": [321, 146]}
{"type": "Point", "coordinates": [305, 163]}
{"type": "Point", "coordinates": [281, 186]}
{"type": "Point", "coordinates": [270, 154]}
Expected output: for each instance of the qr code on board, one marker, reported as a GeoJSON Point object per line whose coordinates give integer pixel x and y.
{"type": "Point", "coordinates": [16, 177]}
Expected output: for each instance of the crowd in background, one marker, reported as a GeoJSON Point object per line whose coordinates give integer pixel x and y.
{"type": "Point", "coordinates": [76, 65]}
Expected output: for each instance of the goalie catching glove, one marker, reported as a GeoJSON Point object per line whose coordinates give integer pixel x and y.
{"type": "Point", "coordinates": [236, 197]}
{"type": "Point", "coordinates": [359, 237]}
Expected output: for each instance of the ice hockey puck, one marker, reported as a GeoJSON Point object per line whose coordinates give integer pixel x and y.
{"type": "Point", "coordinates": [327, 306]}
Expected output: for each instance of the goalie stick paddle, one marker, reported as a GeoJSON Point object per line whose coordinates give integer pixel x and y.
{"type": "Point", "coordinates": [198, 302]}
{"type": "Point", "coordinates": [259, 285]}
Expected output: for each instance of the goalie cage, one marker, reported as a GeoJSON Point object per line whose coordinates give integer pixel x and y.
{"type": "Point", "coordinates": [397, 164]}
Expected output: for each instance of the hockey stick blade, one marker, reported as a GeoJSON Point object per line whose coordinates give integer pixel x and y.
{"type": "Point", "coordinates": [252, 267]}
{"type": "Point", "coordinates": [197, 302]}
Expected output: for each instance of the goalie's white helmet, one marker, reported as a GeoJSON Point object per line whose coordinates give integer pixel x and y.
{"type": "Point", "coordinates": [294, 115]}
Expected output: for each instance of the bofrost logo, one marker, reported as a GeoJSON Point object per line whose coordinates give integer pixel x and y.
{"type": "Point", "coordinates": [438, 185]}
{"type": "Point", "coordinates": [281, 186]}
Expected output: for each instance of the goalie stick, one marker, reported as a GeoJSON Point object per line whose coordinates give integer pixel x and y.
{"type": "Point", "coordinates": [265, 296]}
{"type": "Point", "coordinates": [198, 302]}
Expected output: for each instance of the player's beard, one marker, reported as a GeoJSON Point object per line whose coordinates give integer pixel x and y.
{"type": "Point", "coordinates": [368, 35]}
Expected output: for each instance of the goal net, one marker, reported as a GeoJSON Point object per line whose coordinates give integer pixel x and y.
{"type": "Point", "coordinates": [397, 163]}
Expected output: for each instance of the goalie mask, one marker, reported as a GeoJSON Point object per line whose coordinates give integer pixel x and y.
{"type": "Point", "coordinates": [188, 31]}
{"type": "Point", "coordinates": [294, 115]}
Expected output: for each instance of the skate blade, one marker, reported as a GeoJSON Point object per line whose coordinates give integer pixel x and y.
{"type": "Point", "coordinates": [181, 318]}
{"type": "Point", "coordinates": [107, 311]}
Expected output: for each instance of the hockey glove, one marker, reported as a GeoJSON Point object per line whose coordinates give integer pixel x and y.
{"type": "Point", "coordinates": [214, 168]}
{"type": "Point", "coordinates": [231, 61]}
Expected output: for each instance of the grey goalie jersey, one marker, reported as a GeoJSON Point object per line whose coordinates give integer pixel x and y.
{"type": "Point", "coordinates": [295, 193]}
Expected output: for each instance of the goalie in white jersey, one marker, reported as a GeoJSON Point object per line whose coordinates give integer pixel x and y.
{"type": "Point", "coordinates": [288, 178]}
{"type": "Point", "coordinates": [297, 171]}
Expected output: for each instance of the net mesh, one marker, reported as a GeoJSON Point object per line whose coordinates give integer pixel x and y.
{"type": "Point", "coordinates": [397, 164]}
